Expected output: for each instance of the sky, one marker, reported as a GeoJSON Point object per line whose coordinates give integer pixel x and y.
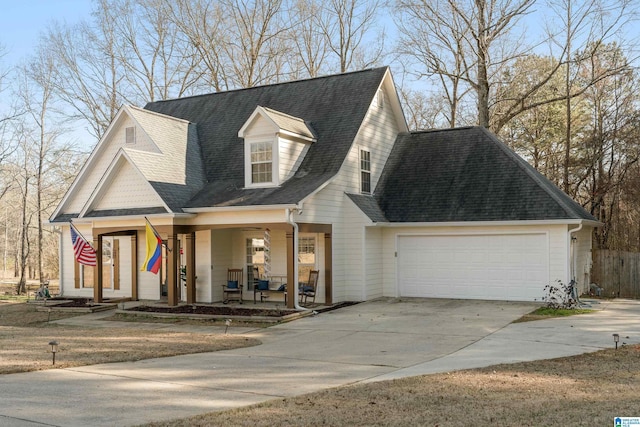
{"type": "Point", "coordinates": [22, 21]}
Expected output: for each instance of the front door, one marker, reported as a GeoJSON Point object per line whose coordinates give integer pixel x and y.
{"type": "Point", "coordinates": [110, 263]}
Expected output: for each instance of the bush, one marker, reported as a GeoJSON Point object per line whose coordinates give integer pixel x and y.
{"type": "Point", "coordinates": [560, 295]}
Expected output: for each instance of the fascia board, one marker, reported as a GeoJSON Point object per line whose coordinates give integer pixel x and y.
{"type": "Point", "coordinates": [240, 208]}
{"type": "Point", "coordinates": [490, 223]}
{"type": "Point", "coordinates": [92, 157]}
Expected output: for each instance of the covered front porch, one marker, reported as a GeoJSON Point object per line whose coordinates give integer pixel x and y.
{"type": "Point", "coordinates": [196, 258]}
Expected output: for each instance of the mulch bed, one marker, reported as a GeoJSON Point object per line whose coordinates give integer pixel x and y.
{"type": "Point", "coordinates": [213, 310]}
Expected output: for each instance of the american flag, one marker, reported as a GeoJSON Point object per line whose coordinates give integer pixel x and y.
{"type": "Point", "coordinates": [84, 253]}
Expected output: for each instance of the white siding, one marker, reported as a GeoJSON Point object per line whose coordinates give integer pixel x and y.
{"type": "Point", "coordinates": [290, 155]}
{"type": "Point", "coordinates": [331, 206]}
{"type": "Point", "coordinates": [222, 257]}
{"type": "Point", "coordinates": [100, 162]}
{"type": "Point", "coordinates": [203, 266]}
{"type": "Point", "coordinates": [374, 272]}
{"type": "Point", "coordinates": [583, 258]}
{"type": "Point", "coordinates": [127, 189]}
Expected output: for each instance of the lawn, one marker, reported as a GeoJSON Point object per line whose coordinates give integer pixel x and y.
{"type": "Point", "coordinates": [585, 390]}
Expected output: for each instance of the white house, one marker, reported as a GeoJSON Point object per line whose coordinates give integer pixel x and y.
{"type": "Point", "coordinates": [319, 174]}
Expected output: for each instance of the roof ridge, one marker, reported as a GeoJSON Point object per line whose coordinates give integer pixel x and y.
{"type": "Point", "coordinates": [326, 76]}
{"type": "Point", "coordinates": [154, 113]}
{"type": "Point", "coordinates": [534, 174]}
{"type": "Point", "coordinates": [455, 129]}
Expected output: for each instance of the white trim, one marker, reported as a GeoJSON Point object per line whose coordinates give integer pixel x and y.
{"type": "Point", "coordinates": [275, 163]}
{"type": "Point", "coordinates": [489, 223]}
{"type": "Point", "coordinates": [241, 208]}
{"type": "Point", "coordinates": [125, 109]}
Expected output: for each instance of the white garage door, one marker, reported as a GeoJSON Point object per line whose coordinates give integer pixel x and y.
{"type": "Point", "coordinates": [511, 267]}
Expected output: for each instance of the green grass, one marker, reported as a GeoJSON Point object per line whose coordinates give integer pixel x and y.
{"type": "Point", "coordinates": [560, 312]}
{"type": "Point", "coordinates": [16, 298]}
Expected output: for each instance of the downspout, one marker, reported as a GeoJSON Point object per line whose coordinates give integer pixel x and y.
{"type": "Point", "coordinates": [289, 218]}
{"type": "Point", "coordinates": [574, 262]}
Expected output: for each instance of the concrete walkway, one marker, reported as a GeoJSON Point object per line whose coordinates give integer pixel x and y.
{"type": "Point", "coordinates": [367, 342]}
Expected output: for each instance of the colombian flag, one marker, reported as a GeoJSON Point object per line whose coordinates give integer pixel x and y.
{"type": "Point", "coordinates": [154, 244]}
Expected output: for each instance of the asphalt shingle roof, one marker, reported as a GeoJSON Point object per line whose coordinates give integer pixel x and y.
{"type": "Point", "coordinates": [465, 174]}
{"type": "Point", "coordinates": [333, 106]}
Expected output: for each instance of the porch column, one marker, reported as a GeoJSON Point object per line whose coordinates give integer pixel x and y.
{"type": "Point", "coordinates": [191, 268]}
{"type": "Point", "coordinates": [134, 266]}
{"type": "Point", "coordinates": [97, 272]}
{"type": "Point", "coordinates": [172, 268]}
{"type": "Point", "coordinates": [328, 269]}
{"type": "Point", "coordinates": [291, 285]}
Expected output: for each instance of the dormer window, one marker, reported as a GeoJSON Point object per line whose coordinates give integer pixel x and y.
{"type": "Point", "coordinates": [275, 145]}
{"type": "Point", "coordinates": [261, 162]}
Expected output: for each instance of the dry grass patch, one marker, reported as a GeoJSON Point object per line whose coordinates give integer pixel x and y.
{"type": "Point", "coordinates": [25, 334]}
{"type": "Point", "coordinates": [584, 390]}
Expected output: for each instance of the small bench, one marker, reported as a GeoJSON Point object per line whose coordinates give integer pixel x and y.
{"type": "Point", "coordinates": [261, 287]}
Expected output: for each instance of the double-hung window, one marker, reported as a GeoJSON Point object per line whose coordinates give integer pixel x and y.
{"type": "Point", "coordinates": [365, 171]}
{"type": "Point", "coordinates": [261, 162]}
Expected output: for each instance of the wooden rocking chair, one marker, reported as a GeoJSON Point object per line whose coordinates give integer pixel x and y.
{"type": "Point", "coordinates": [234, 285]}
{"type": "Point", "coordinates": [308, 289]}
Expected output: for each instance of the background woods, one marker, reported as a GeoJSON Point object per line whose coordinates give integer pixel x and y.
{"type": "Point", "coordinates": [556, 79]}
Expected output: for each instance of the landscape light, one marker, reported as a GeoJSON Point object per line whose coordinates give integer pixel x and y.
{"type": "Point", "coordinates": [616, 338]}
{"type": "Point", "coordinates": [54, 350]}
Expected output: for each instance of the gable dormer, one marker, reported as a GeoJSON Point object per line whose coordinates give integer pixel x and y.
{"type": "Point", "coordinates": [275, 144]}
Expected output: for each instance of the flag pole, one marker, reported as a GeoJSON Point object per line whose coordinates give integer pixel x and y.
{"type": "Point", "coordinates": [157, 234]}
{"type": "Point", "coordinates": [80, 234]}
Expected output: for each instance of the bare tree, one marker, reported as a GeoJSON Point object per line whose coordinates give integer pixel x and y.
{"type": "Point", "coordinates": [310, 46]}
{"type": "Point", "coordinates": [349, 29]}
{"type": "Point", "coordinates": [462, 42]}
{"type": "Point", "coordinates": [159, 62]}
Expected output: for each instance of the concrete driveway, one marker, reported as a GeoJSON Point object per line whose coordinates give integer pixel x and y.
{"type": "Point", "coordinates": [371, 341]}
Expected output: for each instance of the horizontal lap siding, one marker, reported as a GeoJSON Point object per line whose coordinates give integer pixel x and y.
{"type": "Point", "coordinates": [351, 272]}
{"type": "Point", "coordinates": [101, 162]}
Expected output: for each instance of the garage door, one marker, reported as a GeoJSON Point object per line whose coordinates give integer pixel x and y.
{"type": "Point", "coordinates": [511, 267]}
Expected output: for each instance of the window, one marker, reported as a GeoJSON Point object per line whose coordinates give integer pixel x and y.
{"type": "Point", "coordinates": [306, 256]}
{"type": "Point", "coordinates": [261, 162]}
{"type": "Point", "coordinates": [365, 171]}
{"type": "Point", "coordinates": [130, 135]}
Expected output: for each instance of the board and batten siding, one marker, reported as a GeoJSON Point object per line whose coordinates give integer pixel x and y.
{"type": "Point", "coordinates": [557, 238]}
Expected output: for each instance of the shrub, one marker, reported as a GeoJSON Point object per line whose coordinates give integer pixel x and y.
{"type": "Point", "coordinates": [560, 295]}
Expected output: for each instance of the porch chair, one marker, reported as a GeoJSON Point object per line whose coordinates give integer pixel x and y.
{"type": "Point", "coordinates": [234, 285]}
{"type": "Point", "coordinates": [308, 289]}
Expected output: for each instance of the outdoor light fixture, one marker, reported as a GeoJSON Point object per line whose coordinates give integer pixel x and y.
{"type": "Point", "coordinates": [616, 338]}
{"type": "Point", "coordinates": [54, 350]}
{"type": "Point", "coordinates": [227, 324]}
